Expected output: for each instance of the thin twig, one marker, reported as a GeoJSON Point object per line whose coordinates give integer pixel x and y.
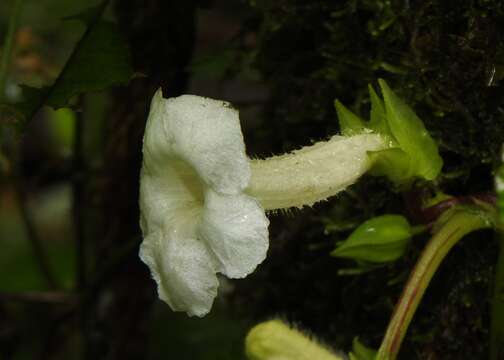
{"type": "Point", "coordinates": [7, 48]}
{"type": "Point", "coordinates": [33, 237]}
{"type": "Point", "coordinates": [49, 297]}
{"type": "Point", "coordinates": [78, 199]}
{"type": "Point", "coordinates": [110, 268]}
{"type": "Point", "coordinates": [497, 311]}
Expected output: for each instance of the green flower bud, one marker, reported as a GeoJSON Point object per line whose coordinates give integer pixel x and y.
{"type": "Point", "coordinates": [378, 240]}
{"type": "Point", "coordinates": [274, 340]}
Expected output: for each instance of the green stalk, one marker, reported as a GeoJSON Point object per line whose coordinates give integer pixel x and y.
{"type": "Point", "coordinates": [497, 329]}
{"type": "Point", "coordinates": [7, 48]}
{"type": "Point", "coordinates": [460, 223]}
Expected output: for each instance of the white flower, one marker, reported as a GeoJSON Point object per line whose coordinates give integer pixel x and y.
{"type": "Point", "coordinates": [195, 217]}
{"type": "Point", "coordinates": [202, 200]}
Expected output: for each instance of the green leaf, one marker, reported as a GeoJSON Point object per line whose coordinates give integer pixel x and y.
{"type": "Point", "coordinates": [90, 15]}
{"type": "Point", "coordinates": [378, 240]}
{"type": "Point", "coordinates": [350, 124]}
{"type": "Point", "coordinates": [100, 59]}
{"type": "Point", "coordinates": [33, 99]}
{"type": "Point", "coordinates": [411, 135]}
{"type": "Point", "coordinates": [361, 352]}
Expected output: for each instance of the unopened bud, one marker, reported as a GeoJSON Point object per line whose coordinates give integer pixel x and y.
{"type": "Point", "coordinates": [274, 340]}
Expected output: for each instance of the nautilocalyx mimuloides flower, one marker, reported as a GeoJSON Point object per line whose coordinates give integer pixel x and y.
{"type": "Point", "coordinates": [203, 201]}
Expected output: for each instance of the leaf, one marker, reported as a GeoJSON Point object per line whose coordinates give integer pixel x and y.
{"type": "Point", "coordinates": [100, 59]}
{"type": "Point", "coordinates": [378, 240]}
{"type": "Point", "coordinates": [410, 133]}
{"type": "Point", "coordinates": [350, 124]}
{"type": "Point", "coordinates": [33, 98]}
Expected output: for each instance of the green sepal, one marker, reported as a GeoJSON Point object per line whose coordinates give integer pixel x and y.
{"type": "Point", "coordinates": [381, 239]}
{"type": "Point", "coordinates": [411, 135]}
{"type": "Point", "coordinates": [393, 163]}
{"type": "Point", "coordinates": [350, 124]}
{"type": "Point", "coordinates": [361, 352]}
{"type": "Point", "coordinates": [410, 150]}
{"type": "Point", "coordinates": [378, 119]}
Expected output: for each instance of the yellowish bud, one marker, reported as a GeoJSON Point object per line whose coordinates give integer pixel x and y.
{"type": "Point", "coordinates": [274, 340]}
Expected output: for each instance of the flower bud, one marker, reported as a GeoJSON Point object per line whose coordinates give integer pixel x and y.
{"type": "Point", "coordinates": [378, 240]}
{"type": "Point", "coordinates": [274, 340]}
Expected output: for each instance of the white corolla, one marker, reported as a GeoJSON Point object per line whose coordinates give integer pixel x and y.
{"type": "Point", "coordinates": [203, 201]}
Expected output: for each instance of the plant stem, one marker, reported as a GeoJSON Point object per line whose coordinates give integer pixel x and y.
{"type": "Point", "coordinates": [79, 205]}
{"type": "Point", "coordinates": [39, 252]}
{"type": "Point", "coordinates": [461, 222]}
{"type": "Point", "coordinates": [497, 330]}
{"type": "Point", "coordinates": [42, 297]}
{"type": "Point", "coordinates": [33, 237]}
{"type": "Point", "coordinates": [7, 48]}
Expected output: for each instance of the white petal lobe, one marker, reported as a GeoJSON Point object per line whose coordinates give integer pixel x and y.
{"type": "Point", "coordinates": [207, 134]}
{"type": "Point", "coordinates": [235, 229]}
{"type": "Point", "coordinates": [183, 271]}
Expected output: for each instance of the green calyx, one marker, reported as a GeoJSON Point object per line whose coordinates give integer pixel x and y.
{"type": "Point", "coordinates": [411, 152]}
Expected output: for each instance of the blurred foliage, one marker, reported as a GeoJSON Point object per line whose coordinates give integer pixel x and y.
{"type": "Point", "coordinates": [100, 60]}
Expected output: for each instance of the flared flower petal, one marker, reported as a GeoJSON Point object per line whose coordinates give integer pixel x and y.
{"type": "Point", "coordinates": [203, 132]}
{"type": "Point", "coordinates": [183, 271]}
{"type": "Point", "coordinates": [235, 229]}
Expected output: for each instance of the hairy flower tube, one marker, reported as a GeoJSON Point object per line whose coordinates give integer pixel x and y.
{"type": "Point", "coordinates": [203, 201]}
